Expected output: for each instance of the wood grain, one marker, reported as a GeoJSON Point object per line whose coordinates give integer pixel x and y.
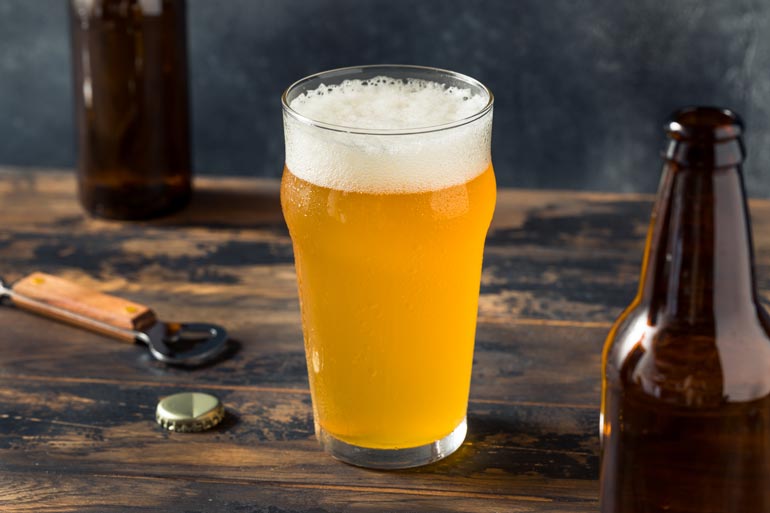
{"type": "Point", "coordinates": [512, 363]}
{"type": "Point", "coordinates": [48, 492]}
{"type": "Point", "coordinates": [77, 430]}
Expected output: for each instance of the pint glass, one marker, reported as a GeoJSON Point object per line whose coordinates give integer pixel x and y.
{"type": "Point", "coordinates": [388, 192]}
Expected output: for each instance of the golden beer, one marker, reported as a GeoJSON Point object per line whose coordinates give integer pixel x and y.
{"type": "Point", "coordinates": [388, 271]}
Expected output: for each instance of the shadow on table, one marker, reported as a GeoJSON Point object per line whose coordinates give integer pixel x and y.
{"type": "Point", "coordinates": [214, 206]}
{"type": "Point", "coordinates": [151, 364]}
{"type": "Point", "coordinates": [516, 449]}
{"type": "Point", "coordinates": [229, 422]}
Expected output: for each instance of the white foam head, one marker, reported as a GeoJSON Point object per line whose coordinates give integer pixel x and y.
{"type": "Point", "coordinates": [382, 135]}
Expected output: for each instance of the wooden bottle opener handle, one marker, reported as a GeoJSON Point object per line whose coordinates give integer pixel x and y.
{"type": "Point", "coordinates": [38, 292]}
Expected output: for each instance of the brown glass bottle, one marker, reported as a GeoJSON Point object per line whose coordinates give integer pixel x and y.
{"type": "Point", "coordinates": [686, 368]}
{"type": "Point", "coordinates": [129, 62]}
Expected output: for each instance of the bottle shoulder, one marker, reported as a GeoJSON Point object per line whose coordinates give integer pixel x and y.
{"type": "Point", "coordinates": [707, 363]}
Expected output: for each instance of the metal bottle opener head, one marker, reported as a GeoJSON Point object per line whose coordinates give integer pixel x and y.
{"type": "Point", "coordinates": [188, 344]}
{"type": "Point", "coordinates": [184, 343]}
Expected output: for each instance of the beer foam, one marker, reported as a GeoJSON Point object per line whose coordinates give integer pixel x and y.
{"type": "Point", "coordinates": [391, 162]}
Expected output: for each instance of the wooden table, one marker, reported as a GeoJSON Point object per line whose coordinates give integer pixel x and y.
{"type": "Point", "coordinates": [77, 428]}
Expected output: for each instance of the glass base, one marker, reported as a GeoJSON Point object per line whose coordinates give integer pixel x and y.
{"type": "Point", "coordinates": [393, 458]}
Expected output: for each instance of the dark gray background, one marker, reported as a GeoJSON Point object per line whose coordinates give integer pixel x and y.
{"type": "Point", "coordinates": [582, 87]}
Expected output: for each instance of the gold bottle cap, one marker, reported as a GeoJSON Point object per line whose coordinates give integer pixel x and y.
{"type": "Point", "coordinates": [189, 411]}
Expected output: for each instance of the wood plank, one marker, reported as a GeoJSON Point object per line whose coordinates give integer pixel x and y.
{"type": "Point", "coordinates": [55, 491]}
{"type": "Point", "coordinates": [525, 363]}
{"type": "Point", "coordinates": [550, 254]}
{"type": "Point", "coordinates": [106, 429]}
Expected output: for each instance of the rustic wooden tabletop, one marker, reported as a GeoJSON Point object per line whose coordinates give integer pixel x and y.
{"type": "Point", "coordinates": [77, 427]}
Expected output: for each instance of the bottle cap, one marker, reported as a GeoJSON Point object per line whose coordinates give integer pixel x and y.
{"type": "Point", "coordinates": [189, 412]}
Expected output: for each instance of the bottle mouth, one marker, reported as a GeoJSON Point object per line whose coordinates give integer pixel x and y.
{"type": "Point", "coordinates": [705, 123]}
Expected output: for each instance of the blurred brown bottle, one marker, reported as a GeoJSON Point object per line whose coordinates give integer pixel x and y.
{"type": "Point", "coordinates": [129, 62]}
{"type": "Point", "coordinates": [686, 368]}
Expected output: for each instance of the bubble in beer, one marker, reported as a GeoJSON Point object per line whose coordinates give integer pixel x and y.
{"type": "Point", "coordinates": [434, 158]}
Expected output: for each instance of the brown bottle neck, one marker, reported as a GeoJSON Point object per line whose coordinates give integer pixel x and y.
{"type": "Point", "coordinates": [699, 259]}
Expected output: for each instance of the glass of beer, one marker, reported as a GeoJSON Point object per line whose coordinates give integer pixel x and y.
{"type": "Point", "coordinates": [388, 192]}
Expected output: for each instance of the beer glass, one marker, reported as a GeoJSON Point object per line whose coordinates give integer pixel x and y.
{"type": "Point", "coordinates": [388, 192]}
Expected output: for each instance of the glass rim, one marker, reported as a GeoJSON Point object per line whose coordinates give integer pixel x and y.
{"type": "Point", "coordinates": [388, 131]}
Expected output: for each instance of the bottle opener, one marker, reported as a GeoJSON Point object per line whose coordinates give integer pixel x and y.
{"type": "Point", "coordinates": [187, 344]}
